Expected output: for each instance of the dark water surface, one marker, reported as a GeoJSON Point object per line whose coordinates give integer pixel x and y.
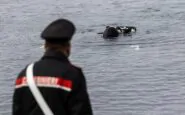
{"type": "Point", "coordinates": [122, 78]}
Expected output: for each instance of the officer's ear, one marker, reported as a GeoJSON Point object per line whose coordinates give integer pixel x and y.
{"type": "Point", "coordinates": [68, 48]}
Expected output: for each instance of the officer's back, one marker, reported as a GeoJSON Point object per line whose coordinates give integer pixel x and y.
{"type": "Point", "coordinates": [62, 84]}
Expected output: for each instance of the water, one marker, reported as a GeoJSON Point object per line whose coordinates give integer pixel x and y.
{"type": "Point", "coordinates": [121, 79]}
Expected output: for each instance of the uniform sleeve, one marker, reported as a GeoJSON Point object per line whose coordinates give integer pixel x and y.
{"type": "Point", "coordinates": [16, 104]}
{"type": "Point", "coordinates": [17, 97]}
{"type": "Point", "coordinates": [79, 102]}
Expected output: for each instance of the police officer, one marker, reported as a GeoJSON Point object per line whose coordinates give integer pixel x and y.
{"type": "Point", "coordinates": [62, 84]}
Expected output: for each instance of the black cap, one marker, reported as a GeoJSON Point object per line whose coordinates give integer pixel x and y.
{"type": "Point", "coordinates": [58, 31]}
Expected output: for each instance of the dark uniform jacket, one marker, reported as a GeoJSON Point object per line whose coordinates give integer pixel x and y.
{"type": "Point", "coordinates": [62, 85]}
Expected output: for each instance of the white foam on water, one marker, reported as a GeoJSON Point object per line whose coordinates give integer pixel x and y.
{"type": "Point", "coordinates": [136, 47]}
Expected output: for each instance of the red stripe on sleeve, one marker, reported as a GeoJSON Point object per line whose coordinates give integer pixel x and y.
{"type": "Point", "coordinates": [64, 83]}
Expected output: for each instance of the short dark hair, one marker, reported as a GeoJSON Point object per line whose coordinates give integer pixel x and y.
{"type": "Point", "coordinates": [56, 47]}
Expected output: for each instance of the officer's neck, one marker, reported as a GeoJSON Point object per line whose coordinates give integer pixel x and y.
{"type": "Point", "coordinates": [65, 52]}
